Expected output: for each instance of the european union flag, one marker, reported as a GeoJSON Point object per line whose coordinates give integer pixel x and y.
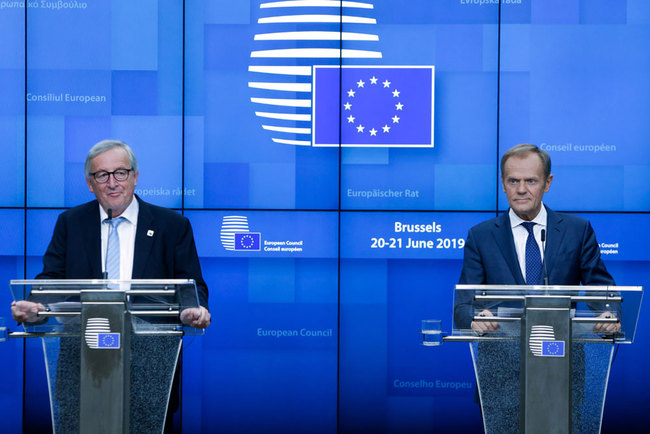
{"type": "Point", "coordinates": [553, 348]}
{"type": "Point", "coordinates": [108, 340]}
{"type": "Point", "coordinates": [247, 241]}
{"type": "Point", "coordinates": [374, 106]}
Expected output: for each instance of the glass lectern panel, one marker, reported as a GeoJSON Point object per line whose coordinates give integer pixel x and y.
{"type": "Point", "coordinates": [498, 355]}
{"type": "Point", "coordinates": [152, 365]}
{"type": "Point", "coordinates": [154, 304]}
{"type": "Point", "coordinates": [506, 302]}
{"type": "Point", "coordinates": [497, 368]}
{"type": "Point", "coordinates": [111, 349]}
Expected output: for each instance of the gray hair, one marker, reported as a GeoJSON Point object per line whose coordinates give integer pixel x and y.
{"type": "Point", "coordinates": [106, 145]}
{"type": "Point", "coordinates": [525, 148]}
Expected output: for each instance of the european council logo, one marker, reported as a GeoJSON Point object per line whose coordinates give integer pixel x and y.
{"type": "Point", "coordinates": [542, 342]}
{"type": "Point", "coordinates": [290, 37]}
{"type": "Point", "coordinates": [236, 236]}
{"type": "Point", "coordinates": [99, 336]}
{"type": "Point", "coordinates": [304, 98]}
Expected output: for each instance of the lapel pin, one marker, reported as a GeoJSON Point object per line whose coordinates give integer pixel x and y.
{"type": "Point", "coordinates": [150, 233]}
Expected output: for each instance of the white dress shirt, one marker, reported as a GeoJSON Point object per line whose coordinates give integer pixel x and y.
{"type": "Point", "coordinates": [520, 235]}
{"type": "Point", "coordinates": [126, 233]}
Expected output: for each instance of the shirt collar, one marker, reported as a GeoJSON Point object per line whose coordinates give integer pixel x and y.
{"type": "Point", "coordinates": [540, 218]}
{"type": "Point", "coordinates": [130, 214]}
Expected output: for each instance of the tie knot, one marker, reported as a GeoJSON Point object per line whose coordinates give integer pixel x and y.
{"type": "Point", "coordinates": [529, 226]}
{"type": "Point", "coordinates": [115, 222]}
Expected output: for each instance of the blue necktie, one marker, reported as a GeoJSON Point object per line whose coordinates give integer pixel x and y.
{"type": "Point", "coordinates": [113, 253]}
{"type": "Point", "coordinates": [533, 256]}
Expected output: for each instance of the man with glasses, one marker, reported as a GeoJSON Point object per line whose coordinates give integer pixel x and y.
{"type": "Point", "coordinates": [152, 243]}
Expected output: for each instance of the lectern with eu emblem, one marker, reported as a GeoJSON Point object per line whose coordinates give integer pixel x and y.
{"type": "Point", "coordinates": [545, 368]}
{"type": "Point", "coordinates": [111, 349]}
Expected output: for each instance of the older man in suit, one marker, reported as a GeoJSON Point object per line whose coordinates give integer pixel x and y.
{"type": "Point", "coordinates": [496, 250]}
{"type": "Point", "coordinates": [155, 243]}
{"type": "Point", "coordinates": [509, 250]}
{"type": "Point", "coordinates": [152, 242]}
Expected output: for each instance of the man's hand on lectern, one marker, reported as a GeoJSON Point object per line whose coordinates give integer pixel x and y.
{"type": "Point", "coordinates": [26, 311]}
{"type": "Point", "coordinates": [485, 326]}
{"type": "Point", "coordinates": [607, 328]}
{"type": "Point", "coordinates": [198, 317]}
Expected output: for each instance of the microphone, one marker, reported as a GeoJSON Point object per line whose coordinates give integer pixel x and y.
{"type": "Point", "coordinates": [110, 226]}
{"type": "Point", "coordinates": [543, 237]}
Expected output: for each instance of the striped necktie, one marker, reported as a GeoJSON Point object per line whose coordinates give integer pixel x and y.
{"type": "Point", "coordinates": [113, 249]}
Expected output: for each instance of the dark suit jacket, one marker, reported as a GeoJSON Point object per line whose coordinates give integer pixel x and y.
{"type": "Point", "coordinates": [170, 253]}
{"type": "Point", "coordinates": [572, 257]}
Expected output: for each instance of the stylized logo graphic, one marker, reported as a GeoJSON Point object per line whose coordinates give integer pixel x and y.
{"type": "Point", "coordinates": [236, 236]}
{"type": "Point", "coordinates": [292, 37]}
{"type": "Point", "coordinates": [373, 106]}
{"type": "Point", "coordinates": [542, 342]}
{"type": "Point", "coordinates": [98, 334]}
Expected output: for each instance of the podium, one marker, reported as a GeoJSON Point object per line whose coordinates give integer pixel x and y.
{"type": "Point", "coordinates": [545, 369]}
{"type": "Point", "coordinates": [111, 349]}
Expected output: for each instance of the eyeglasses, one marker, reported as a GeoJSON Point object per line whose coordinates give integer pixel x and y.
{"type": "Point", "coordinates": [102, 176]}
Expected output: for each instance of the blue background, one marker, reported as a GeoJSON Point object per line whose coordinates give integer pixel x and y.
{"type": "Point", "coordinates": [171, 78]}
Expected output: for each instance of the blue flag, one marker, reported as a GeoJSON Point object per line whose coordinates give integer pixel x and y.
{"type": "Point", "coordinates": [108, 340]}
{"type": "Point", "coordinates": [247, 241]}
{"type": "Point", "coordinates": [553, 348]}
{"type": "Point", "coordinates": [373, 106]}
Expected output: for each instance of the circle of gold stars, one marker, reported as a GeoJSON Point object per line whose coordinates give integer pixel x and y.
{"type": "Point", "coordinates": [247, 241]}
{"type": "Point", "coordinates": [373, 81]}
